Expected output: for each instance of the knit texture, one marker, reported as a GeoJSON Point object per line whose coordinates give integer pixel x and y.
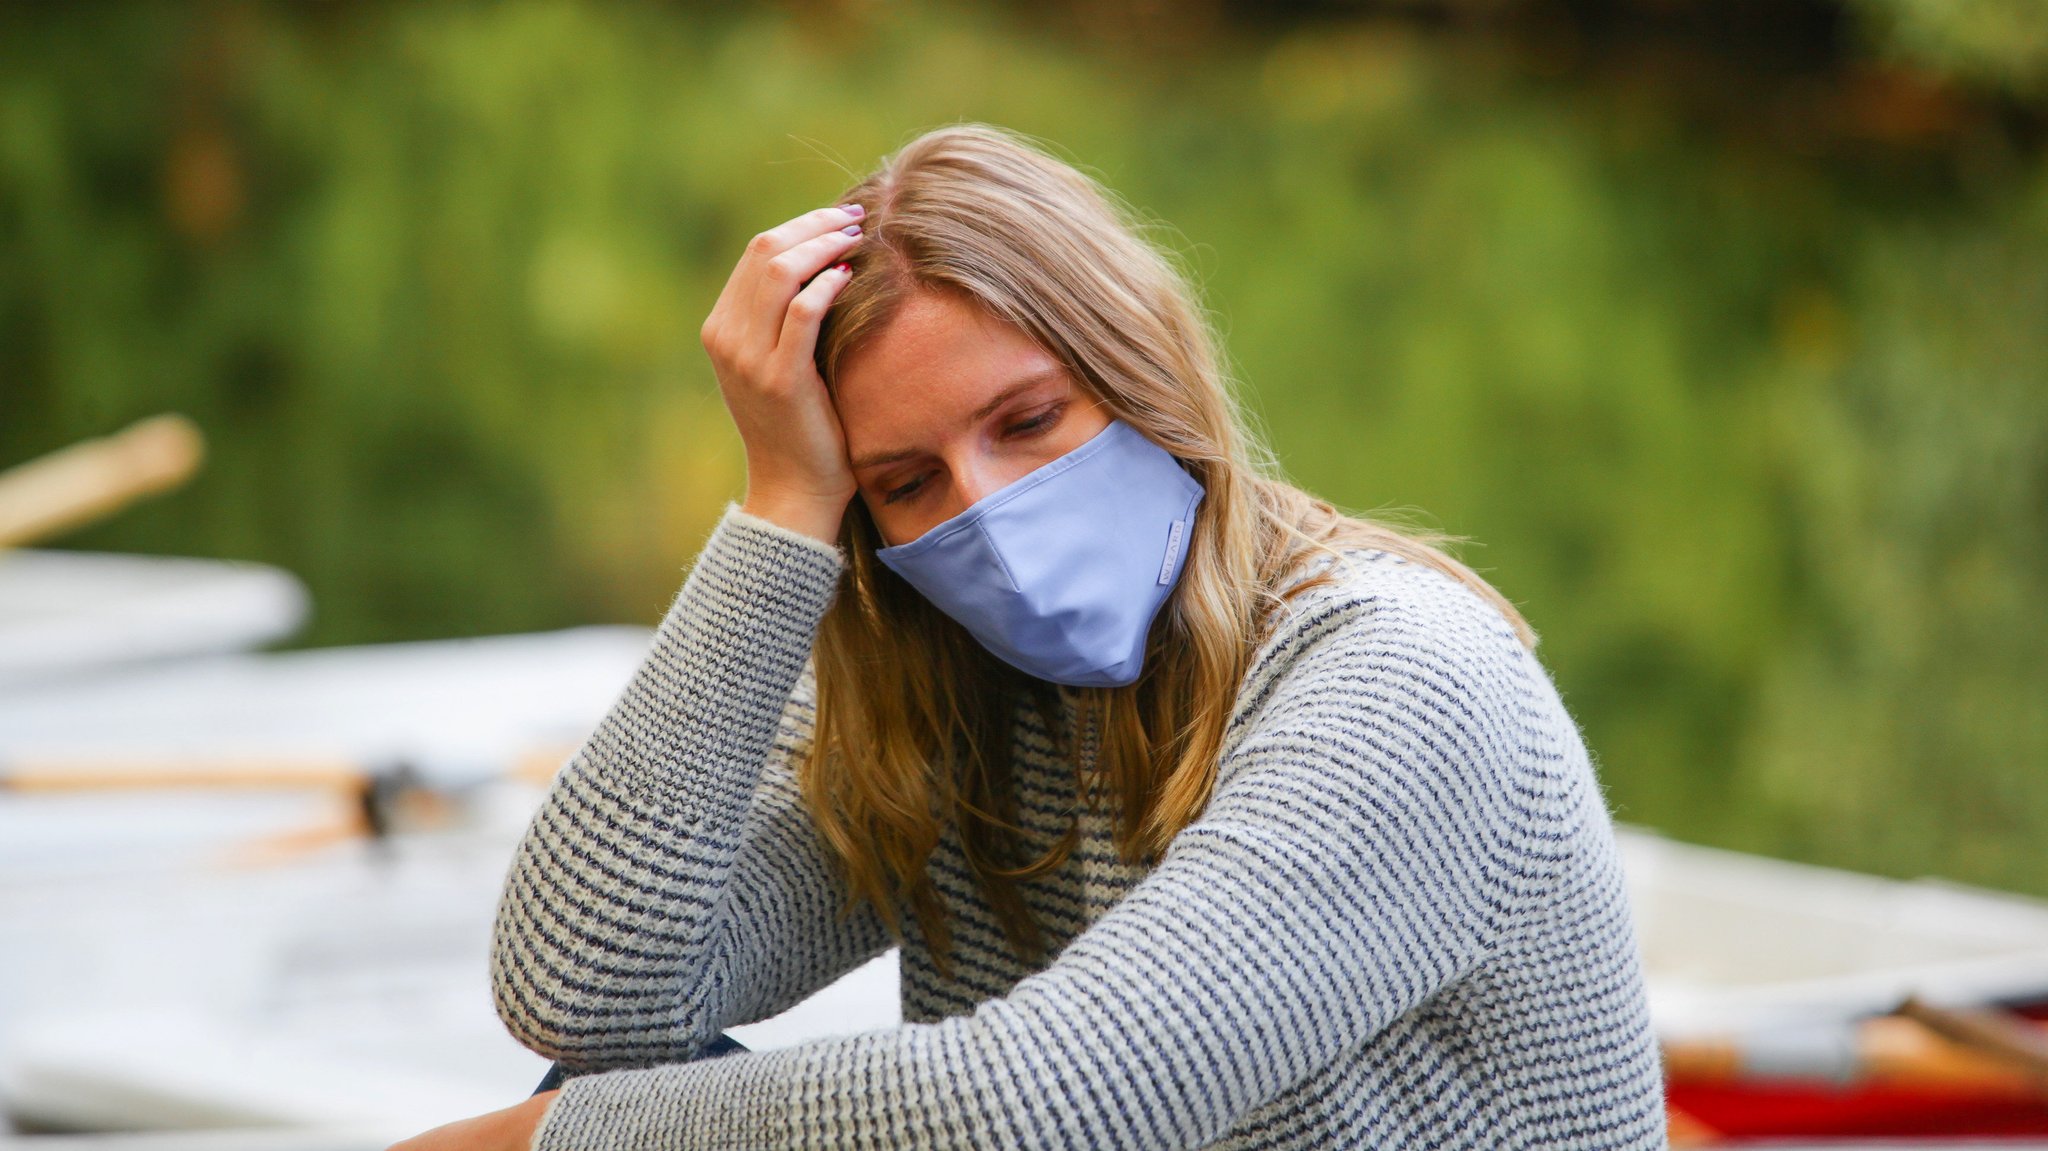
{"type": "Point", "coordinates": [1400, 922]}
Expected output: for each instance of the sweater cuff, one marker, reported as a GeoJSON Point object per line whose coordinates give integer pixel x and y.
{"type": "Point", "coordinates": [747, 521]}
{"type": "Point", "coordinates": [759, 580]}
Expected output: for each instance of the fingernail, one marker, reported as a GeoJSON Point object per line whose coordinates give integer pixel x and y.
{"type": "Point", "coordinates": [854, 210]}
{"type": "Point", "coordinates": [851, 229]}
{"type": "Point", "coordinates": [842, 267]}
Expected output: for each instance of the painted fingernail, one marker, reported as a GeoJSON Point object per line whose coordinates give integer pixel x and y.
{"type": "Point", "coordinates": [842, 267]}
{"type": "Point", "coordinates": [854, 210]}
{"type": "Point", "coordinates": [851, 229]}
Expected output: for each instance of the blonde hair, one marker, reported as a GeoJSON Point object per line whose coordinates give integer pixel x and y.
{"type": "Point", "coordinates": [914, 718]}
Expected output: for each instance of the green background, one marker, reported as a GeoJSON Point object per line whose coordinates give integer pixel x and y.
{"type": "Point", "coordinates": [1718, 328]}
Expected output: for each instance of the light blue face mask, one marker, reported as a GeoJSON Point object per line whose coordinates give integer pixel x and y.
{"type": "Point", "coordinates": [1060, 573]}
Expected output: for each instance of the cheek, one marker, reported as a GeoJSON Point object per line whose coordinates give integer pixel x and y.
{"type": "Point", "coordinates": [1084, 422]}
{"type": "Point", "coordinates": [879, 519]}
{"type": "Point", "coordinates": [895, 526]}
{"type": "Point", "coordinates": [1080, 425]}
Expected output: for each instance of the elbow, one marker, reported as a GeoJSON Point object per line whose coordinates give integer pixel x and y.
{"type": "Point", "coordinates": [540, 998]}
{"type": "Point", "coordinates": [583, 1021]}
{"type": "Point", "coordinates": [532, 1015]}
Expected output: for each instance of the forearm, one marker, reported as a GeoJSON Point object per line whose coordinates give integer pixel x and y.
{"type": "Point", "coordinates": [614, 902]}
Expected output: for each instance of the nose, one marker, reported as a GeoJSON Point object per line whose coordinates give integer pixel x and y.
{"type": "Point", "coordinates": [975, 476]}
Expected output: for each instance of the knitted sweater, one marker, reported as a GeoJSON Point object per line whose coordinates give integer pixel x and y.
{"type": "Point", "coordinates": [1399, 922]}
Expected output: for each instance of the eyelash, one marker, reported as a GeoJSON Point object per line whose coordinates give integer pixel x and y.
{"type": "Point", "coordinates": [1033, 426]}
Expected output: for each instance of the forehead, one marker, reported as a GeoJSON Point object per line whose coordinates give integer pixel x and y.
{"type": "Point", "coordinates": [938, 359]}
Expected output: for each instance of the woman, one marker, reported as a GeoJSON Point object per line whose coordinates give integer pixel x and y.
{"type": "Point", "coordinates": [1221, 819]}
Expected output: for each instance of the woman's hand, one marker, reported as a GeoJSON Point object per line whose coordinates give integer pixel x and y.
{"type": "Point", "coordinates": [761, 336]}
{"type": "Point", "coordinates": [508, 1130]}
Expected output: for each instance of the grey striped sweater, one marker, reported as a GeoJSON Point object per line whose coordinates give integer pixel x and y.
{"type": "Point", "coordinates": [1400, 922]}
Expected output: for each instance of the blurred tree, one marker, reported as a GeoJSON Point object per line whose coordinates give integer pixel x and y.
{"type": "Point", "coordinates": [1727, 353]}
{"type": "Point", "coordinates": [2000, 44]}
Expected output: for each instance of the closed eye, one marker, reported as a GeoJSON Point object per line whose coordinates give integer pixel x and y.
{"type": "Point", "coordinates": [1025, 429]}
{"type": "Point", "coordinates": [1039, 422]}
{"type": "Point", "coordinates": [908, 489]}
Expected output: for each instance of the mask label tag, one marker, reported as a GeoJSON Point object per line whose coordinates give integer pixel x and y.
{"type": "Point", "coordinates": [1173, 539]}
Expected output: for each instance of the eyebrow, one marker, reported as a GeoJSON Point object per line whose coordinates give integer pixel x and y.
{"type": "Point", "coordinates": [1010, 391]}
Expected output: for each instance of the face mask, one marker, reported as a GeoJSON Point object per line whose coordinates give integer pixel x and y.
{"type": "Point", "coordinates": [1060, 573]}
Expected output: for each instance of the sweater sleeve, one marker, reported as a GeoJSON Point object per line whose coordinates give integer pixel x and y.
{"type": "Point", "coordinates": [672, 883]}
{"type": "Point", "coordinates": [1367, 837]}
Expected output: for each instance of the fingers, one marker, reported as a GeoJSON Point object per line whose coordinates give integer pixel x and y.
{"type": "Point", "coordinates": [771, 270]}
{"type": "Point", "coordinates": [762, 335]}
{"type": "Point", "coordinates": [783, 237]}
{"type": "Point", "coordinates": [799, 337]}
{"type": "Point", "coordinates": [780, 277]}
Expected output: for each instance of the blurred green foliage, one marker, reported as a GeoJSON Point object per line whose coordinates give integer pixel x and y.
{"type": "Point", "coordinates": [2001, 44]}
{"type": "Point", "coordinates": [1758, 437]}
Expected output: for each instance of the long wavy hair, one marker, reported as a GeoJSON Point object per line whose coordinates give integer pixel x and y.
{"type": "Point", "coordinates": [914, 719]}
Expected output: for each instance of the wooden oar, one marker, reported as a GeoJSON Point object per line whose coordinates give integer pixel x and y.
{"type": "Point", "coordinates": [374, 800]}
{"type": "Point", "coordinates": [1916, 1046]}
{"type": "Point", "coordinates": [90, 480]}
{"type": "Point", "coordinates": [2011, 1039]}
{"type": "Point", "coordinates": [365, 802]}
{"type": "Point", "coordinates": [110, 774]}
{"type": "Point", "coordinates": [536, 765]}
